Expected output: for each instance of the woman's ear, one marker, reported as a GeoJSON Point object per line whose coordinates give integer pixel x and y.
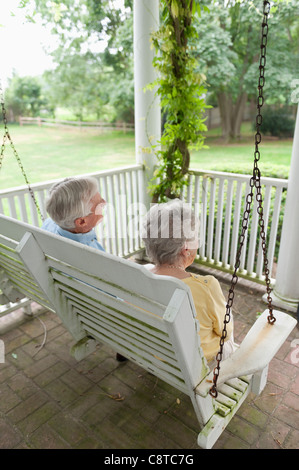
{"type": "Point", "coordinates": [185, 253]}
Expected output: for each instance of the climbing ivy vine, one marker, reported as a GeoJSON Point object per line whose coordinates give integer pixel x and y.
{"type": "Point", "coordinates": [181, 89]}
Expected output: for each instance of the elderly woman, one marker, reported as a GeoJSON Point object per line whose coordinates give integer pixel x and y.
{"type": "Point", "coordinates": [75, 207]}
{"type": "Point", "coordinates": [170, 234]}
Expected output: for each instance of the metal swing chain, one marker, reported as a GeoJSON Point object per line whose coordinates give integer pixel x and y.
{"type": "Point", "coordinates": [6, 136]}
{"type": "Point", "coordinates": [255, 181]}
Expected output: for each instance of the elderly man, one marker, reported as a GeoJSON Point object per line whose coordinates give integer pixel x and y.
{"type": "Point", "coordinates": [75, 207]}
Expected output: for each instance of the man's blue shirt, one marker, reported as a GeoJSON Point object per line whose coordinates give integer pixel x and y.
{"type": "Point", "coordinates": [89, 238]}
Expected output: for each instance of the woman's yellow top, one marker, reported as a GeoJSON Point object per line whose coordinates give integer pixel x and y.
{"type": "Point", "coordinates": [210, 308]}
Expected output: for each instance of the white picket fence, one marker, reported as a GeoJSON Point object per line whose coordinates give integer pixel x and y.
{"type": "Point", "coordinates": [218, 197]}
{"type": "Point", "coordinates": [98, 125]}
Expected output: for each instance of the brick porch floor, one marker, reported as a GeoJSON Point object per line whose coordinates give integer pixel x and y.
{"type": "Point", "coordinates": [50, 401]}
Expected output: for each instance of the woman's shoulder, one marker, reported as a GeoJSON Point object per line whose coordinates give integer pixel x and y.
{"type": "Point", "coordinates": [209, 284]}
{"type": "Point", "coordinates": [208, 279]}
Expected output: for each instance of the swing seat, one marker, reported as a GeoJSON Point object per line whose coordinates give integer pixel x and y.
{"type": "Point", "coordinates": [149, 319]}
{"type": "Point", "coordinates": [256, 350]}
{"type": "Point", "coordinates": [250, 363]}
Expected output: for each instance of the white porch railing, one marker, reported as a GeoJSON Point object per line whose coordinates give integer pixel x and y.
{"type": "Point", "coordinates": [221, 201]}
{"type": "Point", "coordinates": [219, 198]}
{"type": "Point", "coordinates": [121, 188]}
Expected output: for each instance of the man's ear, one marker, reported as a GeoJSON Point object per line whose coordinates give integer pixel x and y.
{"type": "Point", "coordinates": [80, 222]}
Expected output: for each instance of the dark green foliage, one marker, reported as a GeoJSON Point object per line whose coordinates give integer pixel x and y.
{"type": "Point", "coordinates": [278, 122]}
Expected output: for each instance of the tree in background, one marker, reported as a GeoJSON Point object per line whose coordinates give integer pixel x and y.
{"type": "Point", "coordinates": [75, 84]}
{"type": "Point", "coordinates": [24, 96]}
{"type": "Point", "coordinates": [118, 56]}
{"type": "Point", "coordinates": [94, 57]}
{"type": "Point", "coordinates": [228, 49]}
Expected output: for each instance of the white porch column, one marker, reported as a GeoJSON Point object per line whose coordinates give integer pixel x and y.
{"type": "Point", "coordinates": [147, 105]}
{"type": "Point", "coordinates": [286, 291]}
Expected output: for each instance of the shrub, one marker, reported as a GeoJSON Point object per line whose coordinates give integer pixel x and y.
{"type": "Point", "coordinates": [278, 123]}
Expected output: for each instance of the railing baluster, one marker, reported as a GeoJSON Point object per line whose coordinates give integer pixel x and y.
{"type": "Point", "coordinates": [266, 209]}
{"type": "Point", "coordinates": [33, 212]}
{"type": "Point", "coordinates": [24, 217]}
{"type": "Point", "coordinates": [12, 207]}
{"type": "Point", "coordinates": [189, 189]}
{"type": "Point", "coordinates": [227, 225]}
{"type": "Point", "coordinates": [210, 237]}
{"type": "Point", "coordinates": [243, 254]}
{"type": "Point", "coordinates": [100, 229]}
{"type": "Point", "coordinates": [122, 209]}
{"type": "Point", "coordinates": [107, 226]}
{"type": "Point", "coordinates": [136, 212]}
{"type": "Point", "coordinates": [219, 222]}
{"type": "Point", "coordinates": [236, 224]}
{"type": "Point", "coordinates": [142, 208]}
{"type": "Point", "coordinates": [130, 212]}
{"type": "Point", "coordinates": [274, 228]}
{"type": "Point", "coordinates": [203, 219]}
{"type": "Point", "coordinates": [196, 193]}
{"type": "Point", "coordinates": [42, 202]}
{"type": "Point", "coordinates": [252, 239]}
{"type": "Point", "coordinates": [112, 218]}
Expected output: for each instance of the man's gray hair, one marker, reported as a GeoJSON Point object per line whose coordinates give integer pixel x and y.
{"type": "Point", "coordinates": [70, 199]}
{"type": "Point", "coordinates": [168, 227]}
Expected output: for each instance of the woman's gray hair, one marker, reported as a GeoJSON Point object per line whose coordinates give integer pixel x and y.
{"type": "Point", "coordinates": [168, 227]}
{"type": "Point", "coordinates": [70, 199]}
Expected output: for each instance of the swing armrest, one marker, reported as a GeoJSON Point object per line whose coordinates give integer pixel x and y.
{"type": "Point", "coordinates": [256, 350]}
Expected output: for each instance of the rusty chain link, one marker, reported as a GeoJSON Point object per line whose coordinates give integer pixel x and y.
{"type": "Point", "coordinates": [255, 181]}
{"type": "Point", "coordinates": [6, 136]}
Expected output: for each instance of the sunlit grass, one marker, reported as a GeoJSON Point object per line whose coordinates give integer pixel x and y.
{"type": "Point", "coordinates": [48, 153]}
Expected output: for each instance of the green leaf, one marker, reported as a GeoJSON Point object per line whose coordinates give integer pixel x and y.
{"type": "Point", "coordinates": [174, 8]}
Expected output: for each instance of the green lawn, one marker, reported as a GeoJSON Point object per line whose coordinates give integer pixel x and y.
{"type": "Point", "coordinates": [275, 157]}
{"type": "Point", "coordinates": [238, 157]}
{"type": "Point", "coordinates": [47, 153]}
